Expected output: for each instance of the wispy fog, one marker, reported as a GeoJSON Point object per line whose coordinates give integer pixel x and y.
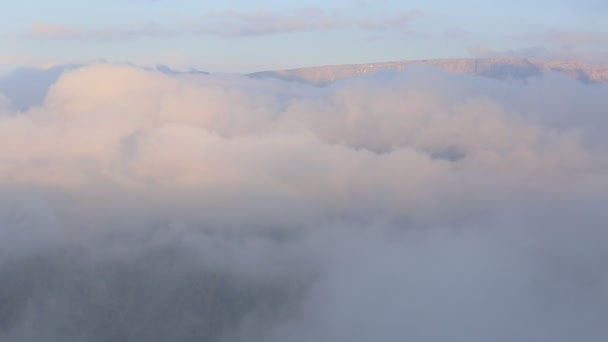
{"type": "Point", "coordinates": [415, 206]}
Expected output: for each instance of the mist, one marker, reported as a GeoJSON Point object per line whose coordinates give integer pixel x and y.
{"type": "Point", "coordinates": [137, 205]}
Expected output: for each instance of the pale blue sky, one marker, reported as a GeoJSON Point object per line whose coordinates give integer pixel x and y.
{"type": "Point", "coordinates": [241, 35]}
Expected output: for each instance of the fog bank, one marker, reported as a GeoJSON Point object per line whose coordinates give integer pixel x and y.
{"type": "Point", "coordinates": [137, 205]}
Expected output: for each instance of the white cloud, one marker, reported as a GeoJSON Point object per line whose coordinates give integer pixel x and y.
{"type": "Point", "coordinates": [414, 206]}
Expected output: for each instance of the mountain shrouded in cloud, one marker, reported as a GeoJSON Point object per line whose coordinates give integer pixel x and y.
{"type": "Point", "coordinates": [141, 205]}
{"type": "Point", "coordinates": [500, 68]}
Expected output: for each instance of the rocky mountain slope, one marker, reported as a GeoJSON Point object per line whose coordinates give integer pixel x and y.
{"type": "Point", "coordinates": [503, 68]}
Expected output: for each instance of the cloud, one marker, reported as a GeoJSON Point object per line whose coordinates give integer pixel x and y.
{"type": "Point", "coordinates": [400, 21]}
{"type": "Point", "coordinates": [552, 44]}
{"type": "Point", "coordinates": [541, 52]}
{"type": "Point", "coordinates": [555, 44]}
{"type": "Point", "coordinates": [47, 30]}
{"type": "Point", "coordinates": [457, 33]}
{"type": "Point", "coordinates": [14, 58]}
{"type": "Point", "coordinates": [44, 30]}
{"type": "Point", "coordinates": [238, 23]}
{"type": "Point", "coordinates": [564, 37]}
{"type": "Point", "coordinates": [233, 24]}
{"type": "Point", "coordinates": [418, 206]}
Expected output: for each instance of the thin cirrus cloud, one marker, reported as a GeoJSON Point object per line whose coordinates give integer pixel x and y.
{"type": "Point", "coordinates": [553, 44]}
{"type": "Point", "coordinates": [570, 37]}
{"type": "Point", "coordinates": [55, 31]}
{"type": "Point", "coordinates": [235, 24]}
{"type": "Point", "coordinates": [44, 30]}
{"type": "Point", "coordinates": [542, 52]}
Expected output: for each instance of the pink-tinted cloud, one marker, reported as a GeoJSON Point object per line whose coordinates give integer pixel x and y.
{"type": "Point", "coordinates": [235, 24]}
{"type": "Point", "coordinates": [54, 31]}
{"type": "Point", "coordinates": [562, 44]}
{"type": "Point", "coordinates": [59, 31]}
{"type": "Point", "coordinates": [417, 207]}
{"type": "Point", "coordinates": [262, 22]}
{"type": "Point", "coordinates": [13, 58]}
{"type": "Point", "coordinates": [542, 52]}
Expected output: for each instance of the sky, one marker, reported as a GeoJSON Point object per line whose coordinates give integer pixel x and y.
{"type": "Point", "coordinates": [246, 36]}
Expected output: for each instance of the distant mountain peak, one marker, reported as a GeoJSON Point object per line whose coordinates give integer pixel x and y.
{"type": "Point", "coordinates": [165, 69]}
{"type": "Point", "coordinates": [502, 68]}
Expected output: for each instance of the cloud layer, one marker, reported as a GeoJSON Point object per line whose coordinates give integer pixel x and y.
{"type": "Point", "coordinates": [417, 206]}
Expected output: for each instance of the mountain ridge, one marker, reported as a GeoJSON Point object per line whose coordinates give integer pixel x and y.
{"type": "Point", "coordinates": [507, 67]}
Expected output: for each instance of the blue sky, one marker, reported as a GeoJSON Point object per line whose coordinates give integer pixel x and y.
{"type": "Point", "coordinates": [241, 35]}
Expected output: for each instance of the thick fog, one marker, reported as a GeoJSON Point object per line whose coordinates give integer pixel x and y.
{"type": "Point", "coordinates": [137, 205]}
